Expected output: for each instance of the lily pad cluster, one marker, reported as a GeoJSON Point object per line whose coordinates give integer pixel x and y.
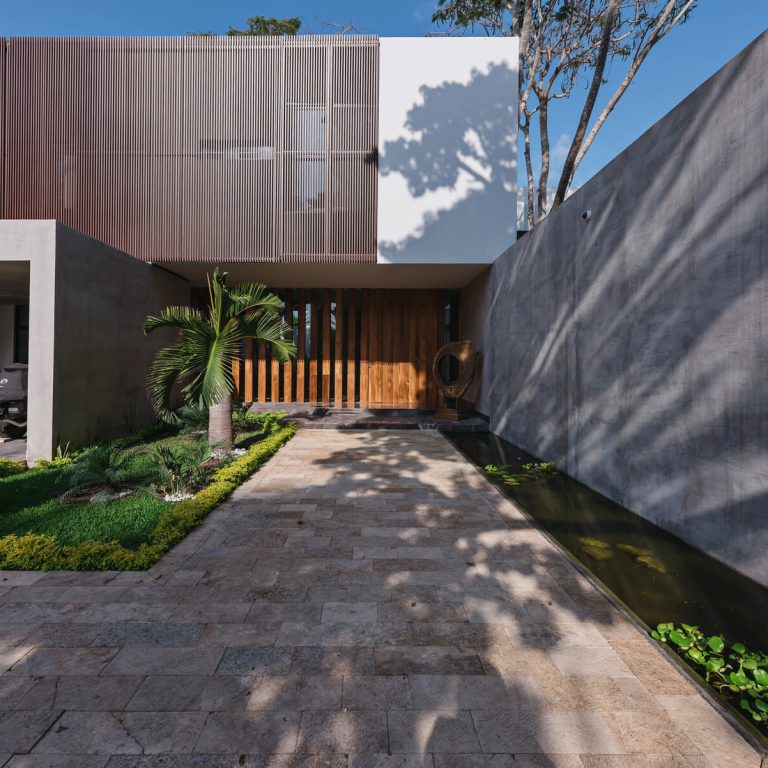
{"type": "Point", "coordinates": [730, 668]}
{"type": "Point", "coordinates": [531, 470]}
{"type": "Point", "coordinates": [603, 550]}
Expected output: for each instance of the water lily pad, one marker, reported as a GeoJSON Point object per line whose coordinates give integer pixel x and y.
{"type": "Point", "coordinates": [761, 676]}
{"type": "Point", "coordinates": [716, 643]}
{"type": "Point", "coordinates": [678, 638]}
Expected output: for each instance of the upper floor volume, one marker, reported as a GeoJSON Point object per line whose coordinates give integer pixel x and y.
{"type": "Point", "coordinates": [313, 149]}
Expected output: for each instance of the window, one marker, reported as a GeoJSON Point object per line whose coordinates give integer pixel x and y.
{"type": "Point", "coordinates": [21, 334]}
{"type": "Point", "coordinates": [214, 149]}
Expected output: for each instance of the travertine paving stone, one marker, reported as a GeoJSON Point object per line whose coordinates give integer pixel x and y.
{"type": "Point", "coordinates": [367, 600]}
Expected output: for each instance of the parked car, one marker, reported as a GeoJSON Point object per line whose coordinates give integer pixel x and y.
{"type": "Point", "coordinates": [13, 400]}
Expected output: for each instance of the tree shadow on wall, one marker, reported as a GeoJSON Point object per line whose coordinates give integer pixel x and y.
{"type": "Point", "coordinates": [466, 142]}
{"type": "Point", "coordinates": [633, 349]}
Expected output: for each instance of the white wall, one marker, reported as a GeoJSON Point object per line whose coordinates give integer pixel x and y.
{"type": "Point", "coordinates": [447, 149]}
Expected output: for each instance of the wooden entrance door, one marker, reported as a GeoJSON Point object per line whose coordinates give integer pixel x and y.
{"type": "Point", "coordinates": [403, 329]}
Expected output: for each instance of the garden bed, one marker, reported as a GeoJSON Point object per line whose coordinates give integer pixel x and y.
{"type": "Point", "coordinates": [40, 530]}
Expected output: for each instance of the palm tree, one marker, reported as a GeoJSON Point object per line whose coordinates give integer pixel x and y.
{"type": "Point", "coordinates": [207, 344]}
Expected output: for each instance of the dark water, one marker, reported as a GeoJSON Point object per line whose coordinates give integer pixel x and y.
{"type": "Point", "coordinates": [655, 574]}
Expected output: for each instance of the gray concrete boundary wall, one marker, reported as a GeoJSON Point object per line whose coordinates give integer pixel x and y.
{"type": "Point", "coordinates": [633, 348]}
{"type": "Point", "coordinates": [88, 356]}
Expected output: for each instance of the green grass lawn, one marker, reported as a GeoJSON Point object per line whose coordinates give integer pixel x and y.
{"type": "Point", "coordinates": [30, 489]}
{"type": "Point", "coordinates": [129, 520]}
{"type": "Point", "coordinates": [31, 503]}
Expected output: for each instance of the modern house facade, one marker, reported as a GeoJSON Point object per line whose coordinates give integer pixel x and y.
{"type": "Point", "coordinates": [371, 184]}
{"type": "Point", "coordinates": [364, 180]}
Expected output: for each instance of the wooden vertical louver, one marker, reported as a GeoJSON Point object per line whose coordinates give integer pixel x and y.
{"type": "Point", "coordinates": [361, 347]}
{"type": "Point", "coordinates": [201, 149]}
{"type": "Point", "coordinates": [3, 56]}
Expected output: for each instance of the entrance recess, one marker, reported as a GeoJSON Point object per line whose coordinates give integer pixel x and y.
{"type": "Point", "coordinates": [362, 348]}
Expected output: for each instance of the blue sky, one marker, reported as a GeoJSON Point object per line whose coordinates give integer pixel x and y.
{"type": "Point", "coordinates": [676, 66]}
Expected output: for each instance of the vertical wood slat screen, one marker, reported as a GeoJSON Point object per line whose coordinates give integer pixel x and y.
{"type": "Point", "coordinates": [3, 57]}
{"type": "Point", "coordinates": [366, 348]}
{"type": "Point", "coordinates": [203, 149]}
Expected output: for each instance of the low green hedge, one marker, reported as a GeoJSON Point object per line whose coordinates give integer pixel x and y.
{"type": "Point", "coordinates": [10, 467]}
{"type": "Point", "coordinates": [39, 552]}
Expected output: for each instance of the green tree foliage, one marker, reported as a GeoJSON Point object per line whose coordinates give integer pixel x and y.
{"type": "Point", "coordinates": [207, 345]}
{"type": "Point", "coordinates": [564, 43]}
{"type": "Point", "coordinates": [261, 25]}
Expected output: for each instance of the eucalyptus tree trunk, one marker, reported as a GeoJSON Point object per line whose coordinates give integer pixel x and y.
{"type": "Point", "coordinates": [220, 424]}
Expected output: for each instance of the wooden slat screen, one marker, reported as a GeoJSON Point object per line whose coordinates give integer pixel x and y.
{"type": "Point", "coordinates": [355, 348]}
{"type": "Point", "coordinates": [206, 149]}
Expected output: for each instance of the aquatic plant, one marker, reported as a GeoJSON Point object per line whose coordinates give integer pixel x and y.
{"type": "Point", "coordinates": [540, 468]}
{"type": "Point", "coordinates": [732, 668]}
{"type": "Point", "coordinates": [602, 550]}
{"type": "Point", "coordinates": [501, 473]}
{"type": "Point", "coordinates": [595, 548]}
{"type": "Point", "coordinates": [530, 471]}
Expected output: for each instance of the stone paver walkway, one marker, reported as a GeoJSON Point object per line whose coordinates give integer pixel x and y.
{"type": "Point", "coordinates": [366, 600]}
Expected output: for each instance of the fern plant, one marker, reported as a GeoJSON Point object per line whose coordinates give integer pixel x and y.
{"type": "Point", "coordinates": [104, 472]}
{"type": "Point", "coordinates": [192, 419]}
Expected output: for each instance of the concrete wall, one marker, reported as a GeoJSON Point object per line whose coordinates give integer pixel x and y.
{"type": "Point", "coordinates": [474, 325]}
{"type": "Point", "coordinates": [6, 334]}
{"type": "Point", "coordinates": [101, 354]}
{"type": "Point", "coordinates": [88, 356]}
{"type": "Point", "coordinates": [448, 149]}
{"type": "Point", "coordinates": [633, 348]}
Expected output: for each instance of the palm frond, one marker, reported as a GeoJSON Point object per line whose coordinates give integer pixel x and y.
{"type": "Point", "coordinates": [251, 297]}
{"type": "Point", "coordinates": [167, 367]}
{"type": "Point", "coordinates": [202, 358]}
{"type": "Point", "coordinates": [271, 330]}
{"type": "Point", "coordinates": [218, 298]}
{"type": "Point", "coordinates": [174, 317]}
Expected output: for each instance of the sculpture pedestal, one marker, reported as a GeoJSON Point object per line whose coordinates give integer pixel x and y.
{"type": "Point", "coordinates": [453, 409]}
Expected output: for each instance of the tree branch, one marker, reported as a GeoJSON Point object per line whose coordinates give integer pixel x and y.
{"type": "Point", "coordinates": [589, 104]}
{"type": "Point", "coordinates": [657, 34]}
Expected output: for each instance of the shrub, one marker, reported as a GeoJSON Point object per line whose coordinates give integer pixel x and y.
{"type": "Point", "coordinates": [180, 465]}
{"type": "Point", "coordinates": [42, 552]}
{"type": "Point", "coordinates": [10, 467]}
{"type": "Point", "coordinates": [59, 461]}
{"type": "Point", "coordinates": [244, 421]}
{"type": "Point", "coordinates": [31, 552]}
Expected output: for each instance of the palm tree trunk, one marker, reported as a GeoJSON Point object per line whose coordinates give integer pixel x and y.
{"type": "Point", "coordinates": [220, 424]}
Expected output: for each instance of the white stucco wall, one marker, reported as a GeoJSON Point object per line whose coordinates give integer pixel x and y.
{"type": "Point", "coordinates": [447, 149]}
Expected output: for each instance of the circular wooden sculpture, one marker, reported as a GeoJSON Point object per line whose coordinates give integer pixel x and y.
{"type": "Point", "coordinates": [466, 353]}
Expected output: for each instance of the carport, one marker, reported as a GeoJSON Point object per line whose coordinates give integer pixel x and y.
{"type": "Point", "coordinates": [88, 357]}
